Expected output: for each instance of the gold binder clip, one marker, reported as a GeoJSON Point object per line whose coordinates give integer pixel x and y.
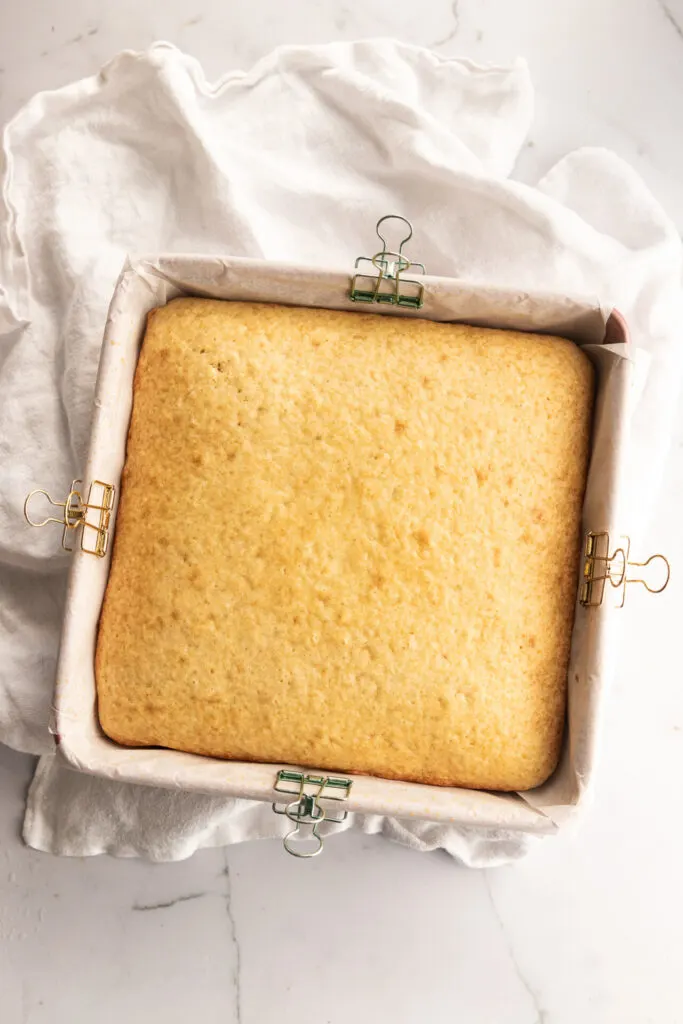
{"type": "Point", "coordinates": [305, 809]}
{"type": "Point", "coordinates": [602, 564]}
{"type": "Point", "coordinates": [388, 285]}
{"type": "Point", "coordinates": [93, 515]}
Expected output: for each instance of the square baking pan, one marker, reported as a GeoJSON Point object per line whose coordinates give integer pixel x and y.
{"type": "Point", "coordinates": [149, 282]}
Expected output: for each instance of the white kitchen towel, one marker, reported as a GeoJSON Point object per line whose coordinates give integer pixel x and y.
{"type": "Point", "coordinates": [294, 160]}
{"type": "Point", "coordinates": [73, 814]}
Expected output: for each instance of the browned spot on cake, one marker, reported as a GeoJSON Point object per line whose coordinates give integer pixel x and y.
{"type": "Point", "coordinates": [399, 427]}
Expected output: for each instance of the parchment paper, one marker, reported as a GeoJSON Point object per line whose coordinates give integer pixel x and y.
{"type": "Point", "coordinates": [152, 281]}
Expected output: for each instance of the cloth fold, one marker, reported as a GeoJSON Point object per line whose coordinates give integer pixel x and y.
{"type": "Point", "coordinates": [295, 160]}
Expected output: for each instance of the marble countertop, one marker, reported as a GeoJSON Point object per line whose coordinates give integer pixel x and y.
{"type": "Point", "coordinates": [587, 929]}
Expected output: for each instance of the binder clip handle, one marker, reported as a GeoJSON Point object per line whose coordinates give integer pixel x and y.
{"type": "Point", "coordinates": [70, 518]}
{"type": "Point", "coordinates": [404, 220]}
{"type": "Point", "coordinates": [665, 569]}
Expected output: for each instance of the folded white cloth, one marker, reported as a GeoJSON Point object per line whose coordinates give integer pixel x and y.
{"type": "Point", "coordinates": [294, 160]}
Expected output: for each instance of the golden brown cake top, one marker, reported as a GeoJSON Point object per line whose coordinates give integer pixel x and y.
{"type": "Point", "coordinates": [347, 541]}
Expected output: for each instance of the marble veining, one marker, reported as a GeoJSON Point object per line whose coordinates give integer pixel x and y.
{"type": "Point", "coordinates": [453, 31]}
{"type": "Point", "coordinates": [671, 18]}
{"type": "Point", "coordinates": [234, 939]}
{"type": "Point", "coordinates": [168, 903]}
{"type": "Point", "coordinates": [541, 1015]}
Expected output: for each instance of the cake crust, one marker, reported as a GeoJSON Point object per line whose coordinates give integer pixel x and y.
{"type": "Point", "coordinates": [347, 541]}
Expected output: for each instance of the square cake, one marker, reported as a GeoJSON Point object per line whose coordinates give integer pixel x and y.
{"type": "Point", "coordinates": [347, 541]}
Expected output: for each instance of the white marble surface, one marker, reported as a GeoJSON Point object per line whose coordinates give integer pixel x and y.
{"type": "Point", "coordinates": [589, 928]}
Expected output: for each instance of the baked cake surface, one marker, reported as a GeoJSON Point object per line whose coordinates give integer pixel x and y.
{"type": "Point", "coordinates": [347, 541]}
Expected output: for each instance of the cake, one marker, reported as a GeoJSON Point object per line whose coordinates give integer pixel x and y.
{"type": "Point", "coordinates": [347, 541]}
